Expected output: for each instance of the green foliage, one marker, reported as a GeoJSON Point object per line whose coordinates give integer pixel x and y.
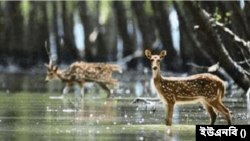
{"type": "Point", "coordinates": [148, 8]}
{"type": "Point", "coordinates": [49, 10]}
{"type": "Point", "coordinates": [91, 6]}
{"type": "Point", "coordinates": [70, 7]}
{"type": "Point", "coordinates": [168, 4]}
{"type": "Point", "coordinates": [218, 16]}
{"type": "Point", "coordinates": [25, 8]}
{"type": "Point", "coordinates": [228, 15]}
{"type": "Point", "coordinates": [104, 11]}
{"type": "Point", "coordinates": [127, 4]}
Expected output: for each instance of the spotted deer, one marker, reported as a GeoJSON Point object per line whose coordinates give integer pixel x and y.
{"type": "Point", "coordinates": [205, 88]}
{"type": "Point", "coordinates": [82, 72]}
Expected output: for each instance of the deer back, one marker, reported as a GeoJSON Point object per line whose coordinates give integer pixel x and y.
{"type": "Point", "coordinates": [200, 85]}
{"type": "Point", "coordinates": [99, 72]}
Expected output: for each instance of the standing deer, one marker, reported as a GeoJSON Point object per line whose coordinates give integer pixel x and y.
{"type": "Point", "coordinates": [81, 72]}
{"type": "Point", "coordinates": [205, 88]}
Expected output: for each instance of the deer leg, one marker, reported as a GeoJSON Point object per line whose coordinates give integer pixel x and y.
{"type": "Point", "coordinates": [220, 107]}
{"type": "Point", "coordinates": [82, 88]}
{"type": "Point", "coordinates": [212, 113]}
{"type": "Point", "coordinates": [227, 113]}
{"type": "Point", "coordinates": [66, 89]}
{"type": "Point", "coordinates": [170, 109]}
{"type": "Point", "coordinates": [105, 87]}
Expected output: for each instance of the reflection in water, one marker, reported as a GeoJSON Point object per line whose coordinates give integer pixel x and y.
{"type": "Point", "coordinates": [248, 101]}
{"type": "Point", "coordinates": [79, 32]}
{"type": "Point", "coordinates": [25, 116]}
{"type": "Point", "coordinates": [248, 105]}
{"type": "Point", "coordinates": [138, 89]}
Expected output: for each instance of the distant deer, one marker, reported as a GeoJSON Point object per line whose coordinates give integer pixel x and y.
{"type": "Point", "coordinates": [81, 72]}
{"type": "Point", "coordinates": [205, 88]}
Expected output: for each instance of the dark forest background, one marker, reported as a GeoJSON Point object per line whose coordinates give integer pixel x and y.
{"type": "Point", "coordinates": [196, 35]}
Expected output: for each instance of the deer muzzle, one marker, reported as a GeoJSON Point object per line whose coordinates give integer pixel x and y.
{"type": "Point", "coordinates": [47, 79]}
{"type": "Point", "coordinates": [154, 67]}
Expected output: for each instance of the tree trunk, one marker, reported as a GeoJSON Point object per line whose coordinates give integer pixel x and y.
{"type": "Point", "coordinates": [14, 32]}
{"type": "Point", "coordinates": [3, 47]}
{"type": "Point", "coordinates": [42, 33]}
{"type": "Point", "coordinates": [163, 25]}
{"type": "Point", "coordinates": [234, 70]}
{"type": "Point", "coordinates": [128, 44]}
{"type": "Point", "coordinates": [191, 48]}
{"type": "Point", "coordinates": [30, 39]}
{"type": "Point", "coordinates": [145, 24]}
{"type": "Point", "coordinates": [67, 46]}
{"type": "Point", "coordinates": [102, 54]}
{"type": "Point", "coordinates": [88, 24]}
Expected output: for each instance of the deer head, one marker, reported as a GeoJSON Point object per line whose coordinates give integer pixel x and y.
{"type": "Point", "coordinates": [155, 59]}
{"type": "Point", "coordinates": [51, 72]}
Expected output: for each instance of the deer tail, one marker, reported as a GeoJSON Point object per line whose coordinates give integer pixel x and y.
{"type": "Point", "coordinates": [117, 68]}
{"type": "Point", "coordinates": [221, 90]}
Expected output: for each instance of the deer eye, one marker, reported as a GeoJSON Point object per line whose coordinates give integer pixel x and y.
{"type": "Point", "coordinates": [49, 73]}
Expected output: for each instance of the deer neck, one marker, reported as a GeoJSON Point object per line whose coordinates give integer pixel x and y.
{"type": "Point", "coordinates": [60, 74]}
{"type": "Point", "coordinates": [157, 75]}
{"type": "Point", "coordinates": [158, 82]}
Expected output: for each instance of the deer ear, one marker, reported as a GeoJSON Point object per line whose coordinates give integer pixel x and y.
{"type": "Point", "coordinates": [46, 65]}
{"type": "Point", "coordinates": [55, 68]}
{"type": "Point", "coordinates": [148, 53]}
{"type": "Point", "coordinates": [163, 53]}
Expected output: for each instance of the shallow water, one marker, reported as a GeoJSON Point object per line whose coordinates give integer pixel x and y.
{"type": "Point", "coordinates": [34, 116]}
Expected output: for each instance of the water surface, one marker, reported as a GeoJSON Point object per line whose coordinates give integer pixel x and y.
{"type": "Point", "coordinates": [34, 116]}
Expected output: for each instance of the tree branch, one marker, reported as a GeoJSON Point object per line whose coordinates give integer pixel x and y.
{"type": "Point", "coordinates": [233, 69]}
